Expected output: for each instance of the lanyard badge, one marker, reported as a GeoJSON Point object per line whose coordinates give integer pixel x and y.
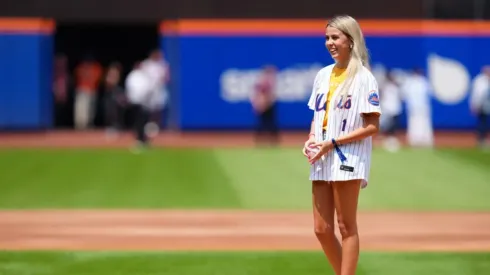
{"type": "Point", "coordinates": [342, 157]}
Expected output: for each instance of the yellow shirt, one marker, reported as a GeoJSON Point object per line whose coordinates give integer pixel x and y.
{"type": "Point", "coordinates": [336, 78]}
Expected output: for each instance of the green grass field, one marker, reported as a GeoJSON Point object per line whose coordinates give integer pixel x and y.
{"type": "Point", "coordinates": [238, 263]}
{"type": "Point", "coordinates": [448, 179]}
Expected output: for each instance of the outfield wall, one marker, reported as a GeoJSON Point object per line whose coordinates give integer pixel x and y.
{"type": "Point", "coordinates": [26, 53]}
{"type": "Point", "coordinates": [215, 62]}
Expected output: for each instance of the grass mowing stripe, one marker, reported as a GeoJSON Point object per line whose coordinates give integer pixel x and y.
{"type": "Point", "coordinates": [167, 178]}
{"type": "Point", "coordinates": [240, 263]}
{"type": "Point", "coordinates": [232, 178]}
{"type": "Point", "coordinates": [424, 180]}
{"type": "Point", "coordinates": [268, 178]}
{"type": "Point", "coordinates": [409, 180]}
{"type": "Point", "coordinates": [426, 263]}
{"type": "Point", "coordinates": [473, 157]}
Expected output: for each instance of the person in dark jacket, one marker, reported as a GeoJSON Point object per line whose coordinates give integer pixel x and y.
{"type": "Point", "coordinates": [114, 99]}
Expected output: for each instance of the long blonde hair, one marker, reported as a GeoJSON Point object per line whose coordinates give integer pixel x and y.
{"type": "Point", "coordinates": [359, 53]}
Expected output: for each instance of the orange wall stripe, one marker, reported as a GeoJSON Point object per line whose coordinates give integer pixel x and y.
{"type": "Point", "coordinates": [316, 27]}
{"type": "Point", "coordinates": [26, 25]}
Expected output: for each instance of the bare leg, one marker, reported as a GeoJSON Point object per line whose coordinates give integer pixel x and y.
{"type": "Point", "coordinates": [346, 194]}
{"type": "Point", "coordinates": [323, 215]}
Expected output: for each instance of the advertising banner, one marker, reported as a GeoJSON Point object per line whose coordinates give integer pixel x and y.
{"type": "Point", "coordinates": [215, 64]}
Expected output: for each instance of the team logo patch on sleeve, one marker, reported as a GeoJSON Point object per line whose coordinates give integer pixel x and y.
{"type": "Point", "coordinates": [373, 98]}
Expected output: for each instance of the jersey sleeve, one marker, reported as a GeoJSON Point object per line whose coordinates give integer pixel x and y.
{"type": "Point", "coordinates": [370, 101]}
{"type": "Point", "coordinates": [316, 84]}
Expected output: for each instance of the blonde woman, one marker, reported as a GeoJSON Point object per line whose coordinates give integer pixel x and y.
{"type": "Point", "coordinates": [345, 101]}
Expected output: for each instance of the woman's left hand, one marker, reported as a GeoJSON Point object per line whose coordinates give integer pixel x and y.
{"type": "Point", "coordinates": [324, 147]}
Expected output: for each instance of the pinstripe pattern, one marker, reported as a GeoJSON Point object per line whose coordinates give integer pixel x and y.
{"type": "Point", "coordinates": [358, 153]}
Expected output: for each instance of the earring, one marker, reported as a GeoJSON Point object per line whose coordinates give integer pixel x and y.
{"type": "Point", "coordinates": [351, 46]}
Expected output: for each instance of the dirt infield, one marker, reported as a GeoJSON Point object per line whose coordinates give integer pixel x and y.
{"type": "Point", "coordinates": [233, 230]}
{"type": "Point", "coordinates": [98, 139]}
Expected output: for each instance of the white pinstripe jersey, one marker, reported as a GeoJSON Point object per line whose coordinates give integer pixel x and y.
{"type": "Point", "coordinates": [344, 116]}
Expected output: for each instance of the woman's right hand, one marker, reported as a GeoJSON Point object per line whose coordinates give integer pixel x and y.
{"type": "Point", "coordinates": [308, 143]}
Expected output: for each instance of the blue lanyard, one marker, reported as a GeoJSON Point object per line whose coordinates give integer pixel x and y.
{"type": "Point", "coordinates": [339, 152]}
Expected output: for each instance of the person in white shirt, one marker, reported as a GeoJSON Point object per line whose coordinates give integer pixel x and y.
{"type": "Point", "coordinates": [416, 92]}
{"type": "Point", "coordinates": [390, 97]}
{"type": "Point", "coordinates": [345, 116]}
{"type": "Point", "coordinates": [480, 103]}
{"type": "Point", "coordinates": [156, 68]}
{"type": "Point", "coordinates": [139, 93]}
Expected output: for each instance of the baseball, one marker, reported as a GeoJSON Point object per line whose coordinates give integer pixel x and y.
{"type": "Point", "coordinates": [312, 151]}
